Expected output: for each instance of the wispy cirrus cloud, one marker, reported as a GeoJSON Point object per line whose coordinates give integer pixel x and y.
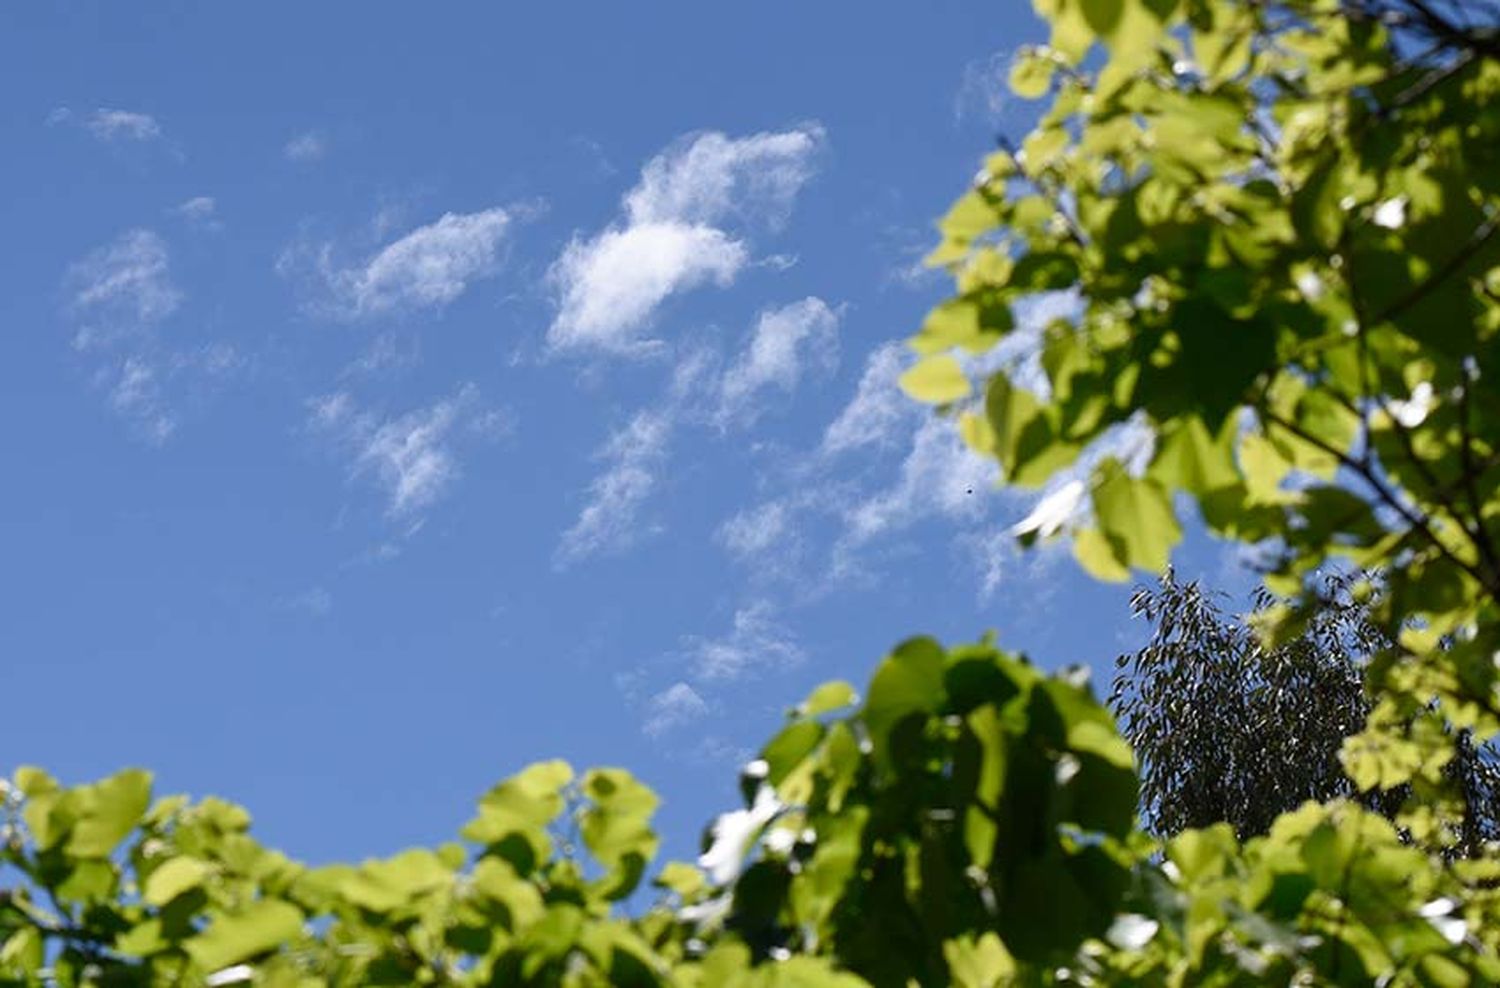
{"type": "Point", "coordinates": [411, 457]}
{"type": "Point", "coordinates": [677, 232]}
{"type": "Point", "coordinates": [756, 641]}
{"type": "Point", "coordinates": [306, 147]}
{"type": "Point", "coordinates": [426, 269]}
{"type": "Point", "coordinates": [984, 92]}
{"type": "Point", "coordinates": [675, 706]}
{"type": "Point", "coordinates": [200, 210]}
{"type": "Point", "coordinates": [878, 414]}
{"type": "Point", "coordinates": [118, 294]}
{"type": "Point", "coordinates": [939, 477]}
{"type": "Point", "coordinates": [695, 675]}
{"type": "Point", "coordinates": [610, 519]}
{"type": "Point", "coordinates": [787, 343]}
{"type": "Point", "coordinates": [110, 125]}
{"type": "Point", "coordinates": [887, 465]}
{"type": "Point", "coordinates": [122, 288]}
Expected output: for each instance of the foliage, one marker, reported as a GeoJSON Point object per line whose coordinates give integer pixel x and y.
{"type": "Point", "coordinates": [969, 823]}
{"type": "Point", "coordinates": [970, 810]}
{"type": "Point", "coordinates": [1226, 730]}
{"type": "Point", "coordinates": [1277, 220]}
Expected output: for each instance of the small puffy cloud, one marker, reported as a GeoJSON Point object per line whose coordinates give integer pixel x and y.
{"type": "Point", "coordinates": [609, 521]}
{"type": "Point", "coordinates": [411, 457]}
{"type": "Point", "coordinates": [111, 125]}
{"type": "Point", "coordinates": [201, 212]}
{"type": "Point", "coordinates": [787, 342]}
{"type": "Point", "coordinates": [674, 706]}
{"type": "Point", "coordinates": [199, 209]}
{"type": "Point", "coordinates": [755, 641]}
{"type": "Point", "coordinates": [426, 269]}
{"type": "Point", "coordinates": [307, 147]}
{"type": "Point", "coordinates": [879, 411]}
{"type": "Point", "coordinates": [673, 235]}
{"type": "Point", "coordinates": [612, 284]}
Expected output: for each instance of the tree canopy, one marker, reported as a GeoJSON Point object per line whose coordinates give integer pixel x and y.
{"type": "Point", "coordinates": [1227, 730]}
{"type": "Point", "coordinates": [1275, 223]}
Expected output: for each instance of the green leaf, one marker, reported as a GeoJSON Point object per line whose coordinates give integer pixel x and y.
{"type": "Point", "coordinates": [937, 380]}
{"type": "Point", "coordinates": [981, 962]}
{"type": "Point", "coordinates": [23, 952]}
{"type": "Point", "coordinates": [1098, 556]}
{"type": "Point", "coordinates": [235, 937]}
{"type": "Point", "coordinates": [687, 880]}
{"type": "Point", "coordinates": [1103, 16]}
{"type": "Point", "coordinates": [495, 880]}
{"type": "Point", "coordinates": [109, 810]}
{"type": "Point", "coordinates": [828, 697]}
{"type": "Point", "coordinates": [174, 877]}
{"type": "Point", "coordinates": [786, 751]}
{"type": "Point", "coordinates": [909, 681]}
{"type": "Point", "coordinates": [1031, 73]}
{"type": "Point", "coordinates": [522, 805]}
{"type": "Point", "coordinates": [1136, 516]}
{"type": "Point", "coordinates": [1189, 458]}
{"type": "Point", "coordinates": [391, 884]}
{"type": "Point", "coordinates": [616, 826]}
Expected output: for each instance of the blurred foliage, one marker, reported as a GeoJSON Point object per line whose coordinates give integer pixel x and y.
{"type": "Point", "coordinates": [1272, 225]}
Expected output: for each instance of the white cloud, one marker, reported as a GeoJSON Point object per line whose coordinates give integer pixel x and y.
{"type": "Point", "coordinates": [387, 353]}
{"type": "Point", "coordinates": [116, 125]}
{"type": "Point", "coordinates": [311, 146]}
{"type": "Point", "coordinates": [757, 640]}
{"type": "Point", "coordinates": [122, 288]}
{"type": "Point", "coordinates": [118, 295]}
{"type": "Point", "coordinates": [714, 176]}
{"type": "Point", "coordinates": [802, 336]}
{"type": "Point", "coordinates": [199, 210]}
{"type": "Point", "coordinates": [426, 269]}
{"type": "Point", "coordinates": [879, 412]}
{"type": "Point", "coordinates": [136, 395]}
{"type": "Point", "coordinates": [984, 93]}
{"type": "Point", "coordinates": [756, 531]}
{"type": "Point", "coordinates": [612, 284]}
{"type": "Point", "coordinates": [939, 477]}
{"type": "Point", "coordinates": [672, 236]}
{"type": "Point", "coordinates": [609, 521]}
{"type": "Point", "coordinates": [674, 706]}
{"type": "Point", "coordinates": [316, 602]}
{"type": "Point", "coordinates": [410, 456]}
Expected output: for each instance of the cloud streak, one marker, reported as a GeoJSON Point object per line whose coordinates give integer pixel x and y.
{"type": "Point", "coordinates": [118, 295]}
{"type": "Point", "coordinates": [609, 521]}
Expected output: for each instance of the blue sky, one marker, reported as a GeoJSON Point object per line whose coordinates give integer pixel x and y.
{"type": "Point", "coordinates": [396, 395]}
